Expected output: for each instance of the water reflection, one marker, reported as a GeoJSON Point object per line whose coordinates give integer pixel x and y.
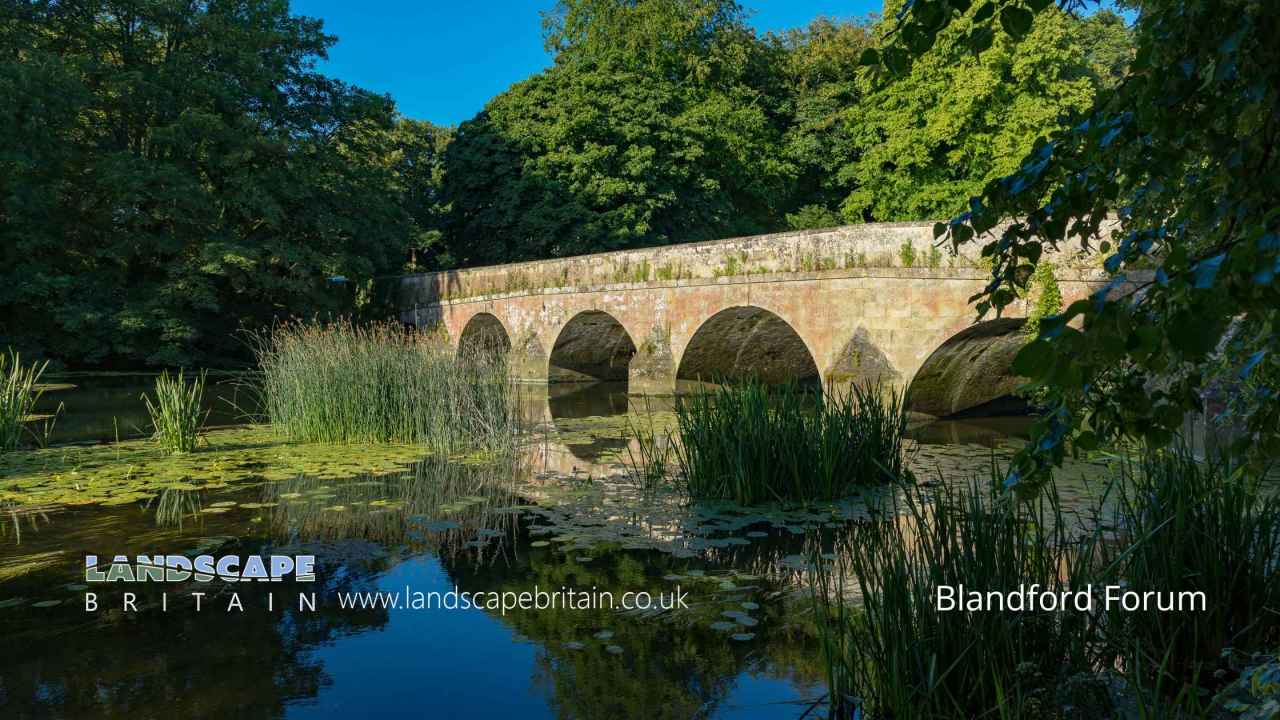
{"type": "Point", "coordinates": [744, 647]}
{"type": "Point", "coordinates": [101, 407]}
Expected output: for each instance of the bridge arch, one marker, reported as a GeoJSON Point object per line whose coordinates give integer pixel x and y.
{"type": "Point", "coordinates": [747, 342]}
{"type": "Point", "coordinates": [484, 333]}
{"type": "Point", "coordinates": [593, 346]}
{"type": "Point", "coordinates": [970, 373]}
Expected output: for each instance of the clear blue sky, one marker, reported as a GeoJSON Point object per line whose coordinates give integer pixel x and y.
{"type": "Point", "coordinates": [442, 60]}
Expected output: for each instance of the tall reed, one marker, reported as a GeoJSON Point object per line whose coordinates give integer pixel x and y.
{"type": "Point", "coordinates": [752, 443]}
{"type": "Point", "coordinates": [897, 654]}
{"type": "Point", "coordinates": [19, 392]}
{"type": "Point", "coordinates": [1196, 527]}
{"type": "Point", "coordinates": [344, 383]}
{"type": "Point", "coordinates": [177, 414]}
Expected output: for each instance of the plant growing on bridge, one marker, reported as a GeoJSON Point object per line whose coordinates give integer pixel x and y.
{"type": "Point", "coordinates": [752, 443]}
{"type": "Point", "coordinates": [177, 415]}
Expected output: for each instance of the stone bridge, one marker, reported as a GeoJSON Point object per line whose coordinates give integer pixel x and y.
{"type": "Point", "coordinates": [870, 303]}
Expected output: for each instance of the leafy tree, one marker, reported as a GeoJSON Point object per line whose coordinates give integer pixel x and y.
{"type": "Point", "coordinates": [921, 144]}
{"type": "Point", "coordinates": [653, 127]}
{"type": "Point", "coordinates": [818, 68]}
{"type": "Point", "coordinates": [170, 171]}
{"type": "Point", "coordinates": [1183, 153]}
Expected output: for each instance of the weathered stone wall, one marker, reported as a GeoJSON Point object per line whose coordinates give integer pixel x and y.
{"type": "Point", "coordinates": [857, 310]}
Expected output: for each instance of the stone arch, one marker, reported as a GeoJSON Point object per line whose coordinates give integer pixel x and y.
{"type": "Point", "coordinates": [969, 373]}
{"type": "Point", "coordinates": [484, 333]}
{"type": "Point", "coordinates": [593, 346]}
{"type": "Point", "coordinates": [747, 342]}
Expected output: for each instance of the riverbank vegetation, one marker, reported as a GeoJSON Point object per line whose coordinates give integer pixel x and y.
{"type": "Point", "coordinates": [344, 382]}
{"type": "Point", "coordinates": [20, 390]}
{"type": "Point", "coordinates": [1170, 524]}
{"type": "Point", "coordinates": [752, 443]}
{"type": "Point", "coordinates": [177, 414]}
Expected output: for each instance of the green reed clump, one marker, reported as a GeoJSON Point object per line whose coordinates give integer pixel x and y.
{"type": "Point", "coordinates": [1187, 525]}
{"type": "Point", "coordinates": [177, 413]}
{"type": "Point", "coordinates": [751, 443]}
{"type": "Point", "coordinates": [896, 654]}
{"type": "Point", "coordinates": [19, 392]}
{"type": "Point", "coordinates": [382, 382]}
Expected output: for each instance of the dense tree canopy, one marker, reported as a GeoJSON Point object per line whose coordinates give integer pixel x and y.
{"type": "Point", "coordinates": [170, 170]}
{"type": "Point", "coordinates": [670, 121]}
{"type": "Point", "coordinates": [1183, 151]}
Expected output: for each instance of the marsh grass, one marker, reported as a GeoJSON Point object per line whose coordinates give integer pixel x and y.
{"type": "Point", "coordinates": [19, 392]}
{"type": "Point", "coordinates": [896, 654]}
{"type": "Point", "coordinates": [1194, 526]}
{"type": "Point", "coordinates": [1172, 523]}
{"type": "Point", "coordinates": [384, 383]}
{"type": "Point", "coordinates": [650, 462]}
{"type": "Point", "coordinates": [752, 443]}
{"type": "Point", "coordinates": [177, 414]}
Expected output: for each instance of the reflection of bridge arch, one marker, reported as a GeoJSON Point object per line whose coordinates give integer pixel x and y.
{"type": "Point", "coordinates": [969, 373]}
{"type": "Point", "coordinates": [592, 346]}
{"type": "Point", "coordinates": [484, 333]}
{"type": "Point", "coordinates": [747, 342]}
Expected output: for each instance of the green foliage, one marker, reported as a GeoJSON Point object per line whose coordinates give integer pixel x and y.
{"type": "Point", "coordinates": [19, 392]}
{"type": "Point", "coordinates": [171, 171]}
{"type": "Point", "coordinates": [907, 254]}
{"type": "Point", "coordinates": [751, 443]}
{"type": "Point", "coordinates": [899, 655]}
{"type": "Point", "coordinates": [587, 158]}
{"type": "Point", "coordinates": [813, 217]}
{"type": "Point", "coordinates": [177, 415]}
{"type": "Point", "coordinates": [1046, 297]}
{"type": "Point", "coordinates": [1182, 151]}
{"type": "Point", "coordinates": [383, 383]}
{"type": "Point", "coordinates": [925, 141]}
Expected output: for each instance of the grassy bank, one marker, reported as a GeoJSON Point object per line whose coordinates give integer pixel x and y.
{"type": "Point", "coordinates": [894, 650]}
{"type": "Point", "coordinates": [343, 383]}
{"type": "Point", "coordinates": [752, 443]}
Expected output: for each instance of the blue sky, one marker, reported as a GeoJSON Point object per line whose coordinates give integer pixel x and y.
{"type": "Point", "coordinates": [442, 60]}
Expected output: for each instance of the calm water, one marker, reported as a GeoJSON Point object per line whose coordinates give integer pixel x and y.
{"type": "Point", "coordinates": [743, 648]}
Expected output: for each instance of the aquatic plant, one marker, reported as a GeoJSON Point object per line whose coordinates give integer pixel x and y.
{"type": "Point", "coordinates": [383, 382]}
{"type": "Point", "coordinates": [888, 648]}
{"type": "Point", "coordinates": [651, 460]}
{"type": "Point", "coordinates": [19, 392]}
{"type": "Point", "coordinates": [752, 443]}
{"type": "Point", "coordinates": [177, 414]}
{"type": "Point", "coordinates": [1191, 526]}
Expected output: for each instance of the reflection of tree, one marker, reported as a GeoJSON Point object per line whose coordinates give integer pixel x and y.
{"type": "Point", "coordinates": [670, 665]}
{"type": "Point", "coordinates": [181, 663]}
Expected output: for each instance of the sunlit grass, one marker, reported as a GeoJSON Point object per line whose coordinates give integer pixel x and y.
{"type": "Point", "coordinates": [752, 443]}
{"type": "Point", "coordinates": [177, 413]}
{"type": "Point", "coordinates": [382, 382]}
{"type": "Point", "coordinates": [19, 392]}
